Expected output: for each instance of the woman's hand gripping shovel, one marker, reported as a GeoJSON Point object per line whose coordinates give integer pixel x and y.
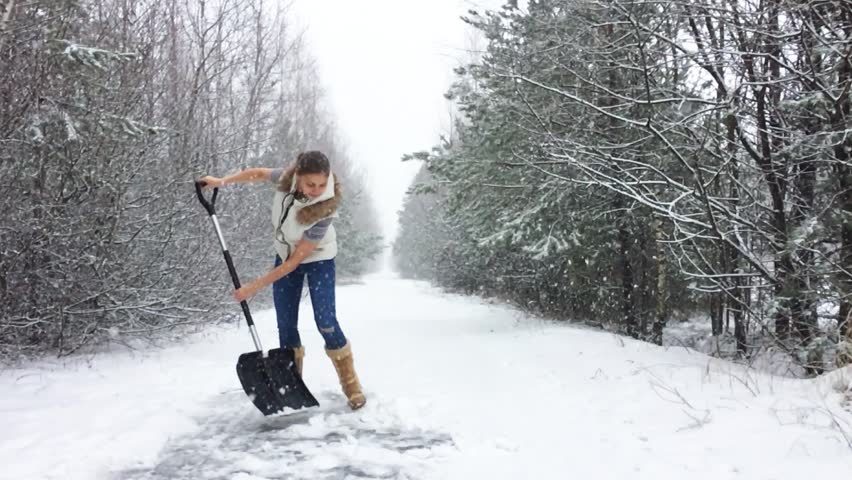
{"type": "Point", "coordinates": [270, 380]}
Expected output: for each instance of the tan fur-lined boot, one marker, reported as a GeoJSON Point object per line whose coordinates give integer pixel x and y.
{"type": "Point", "coordinates": [345, 366]}
{"type": "Point", "coordinates": [298, 358]}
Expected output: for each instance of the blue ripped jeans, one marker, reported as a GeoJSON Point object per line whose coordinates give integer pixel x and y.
{"type": "Point", "coordinates": [287, 292]}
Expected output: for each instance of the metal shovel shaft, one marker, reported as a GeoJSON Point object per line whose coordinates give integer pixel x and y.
{"type": "Point", "coordinates": [211, 210]}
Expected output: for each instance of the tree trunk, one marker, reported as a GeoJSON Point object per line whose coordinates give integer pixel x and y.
{"type": "Point", "coordinates": [662, 311]}
{"type": "Point", "coordinates": [844, 319]}
{"type": "Point", "coordinates": [764, 74]}
{"type": "Point", "coordinates": [731, 253]}
{"type": "Point", "coordinates": [629, 315]}
{"type": "Point", "coordinates": [841, 153]}
{"type": "Point", "coordinates": [716, 314]}
{"type": "Point", "coordinates": [4, 20]}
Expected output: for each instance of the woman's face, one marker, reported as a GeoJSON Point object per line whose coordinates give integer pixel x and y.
{"type": "Point", "coordinates": [313, 185]}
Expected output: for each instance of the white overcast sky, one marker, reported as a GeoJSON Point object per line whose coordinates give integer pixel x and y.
{"type": "Point", "coordinates": [385, 65]}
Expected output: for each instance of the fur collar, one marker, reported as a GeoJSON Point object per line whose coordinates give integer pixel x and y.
{"type": "Point", "coordinates": [315, 212]}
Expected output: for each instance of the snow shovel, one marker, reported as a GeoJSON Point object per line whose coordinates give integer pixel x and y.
{"type": "Point", "coordinates": [269, 379]}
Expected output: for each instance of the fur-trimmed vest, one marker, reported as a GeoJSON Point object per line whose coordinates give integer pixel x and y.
{"type": "Point", "coordinates": [292, 216]}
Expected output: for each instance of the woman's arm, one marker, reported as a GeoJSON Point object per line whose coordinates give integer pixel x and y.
{"type": "Point", "coordinates": [303, 249]}
{"type": "Point", "coordinates": [249, 175]}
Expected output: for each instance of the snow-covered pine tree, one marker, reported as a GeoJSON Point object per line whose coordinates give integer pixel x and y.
{"type": "Point", "coordinates": [530, 226]}
{"type": "Point", "coordinates": [663, 124]}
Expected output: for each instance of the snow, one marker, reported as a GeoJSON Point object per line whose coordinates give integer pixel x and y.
{"type": "Point", "coordinates": [457, 387]}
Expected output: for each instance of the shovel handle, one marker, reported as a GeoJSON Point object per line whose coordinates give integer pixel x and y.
{"type": "Point", "coordinates": [210, 205]}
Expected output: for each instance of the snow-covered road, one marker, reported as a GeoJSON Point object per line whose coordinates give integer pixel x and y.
{"type": "Point", "coordinates": [457, 388]}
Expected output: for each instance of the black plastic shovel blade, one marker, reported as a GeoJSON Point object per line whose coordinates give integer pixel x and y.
{"type": "Point", "coordinates": [286, 379]}
{"type": "Point", "coordinates": [272, 383]}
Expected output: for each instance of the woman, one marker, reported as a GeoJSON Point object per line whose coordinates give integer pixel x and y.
{"type": "Point", "coordinates": [303, 210]}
